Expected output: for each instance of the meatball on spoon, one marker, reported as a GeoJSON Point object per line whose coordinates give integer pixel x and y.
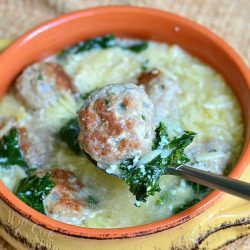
{"type": "Point", "coordinates": [117, 124]}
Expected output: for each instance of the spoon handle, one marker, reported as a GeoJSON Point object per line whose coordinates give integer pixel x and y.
{"type": "Point", "coordinates": [226, 184]}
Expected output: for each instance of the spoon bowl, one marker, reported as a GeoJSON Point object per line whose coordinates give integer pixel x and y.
{"type": "Point", "coordinates": [205, 178]}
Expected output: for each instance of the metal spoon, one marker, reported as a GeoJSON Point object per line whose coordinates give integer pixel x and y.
{"type": "Point", "coordinates": [214, 181]}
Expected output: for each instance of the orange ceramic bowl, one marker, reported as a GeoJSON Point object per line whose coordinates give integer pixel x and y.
{"type": "Point", "coordinates": [129, 22]}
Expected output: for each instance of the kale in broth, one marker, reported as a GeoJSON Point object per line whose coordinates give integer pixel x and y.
{"type": "Point", "coordinates": [143, 180]}
{"type": "Point", "coordinates": [69, 134]}
{"type": "Point", "coordinates": [102, 42]}
{"type": "Point", "coordinates": [137, 48]}
{"type": "Point", "coordinates": [200, 191]}
{"type": "Point", "coordinates": [186, 205]}
{"type": "Point", "coordinates": [33, 190]}
{"type": "Point", "coordinates": [10, 150]}
{"type": "Point", "coordinates": [166, 198]}
{"type": "Point", "coordinates": [92, 201]}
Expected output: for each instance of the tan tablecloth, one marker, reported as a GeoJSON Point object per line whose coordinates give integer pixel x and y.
{"type": "Point", "coordinates": [228, 18]}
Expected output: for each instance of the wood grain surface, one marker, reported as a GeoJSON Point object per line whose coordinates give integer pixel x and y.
{"type": "Point", "coordinates": [230, 19]}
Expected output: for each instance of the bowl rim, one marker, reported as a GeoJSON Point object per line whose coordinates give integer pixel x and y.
{"type": "Point", "coordinates": [128, 232]}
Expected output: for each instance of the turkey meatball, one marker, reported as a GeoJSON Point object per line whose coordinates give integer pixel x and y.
{"type": "Point", "coordinates": [41, 84]}
{"type": "Point", "coordinates": [116, 123]}
{"type": "Point", "coordinates": [164, 92]}
{"type": "Point", "coordinates": [66, 201]}
{"type": "Point", "coordinates": [213, 154]}
{"type": "Point", "coordinates": [37, 147]}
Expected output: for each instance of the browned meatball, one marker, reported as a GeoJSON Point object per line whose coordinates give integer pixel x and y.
{"type": "Point", "coordinates": [213, 154]}
{"type": "Point", "coordinates": [164, 92]}
{"type": "Point", "coordinates": [117, 123]}
{"type": "Point", "coordinates": [41, 84]}
{"type": "Point", "coordinates": [66, 201]}
{"type": "Point", "coordinates": [147, 78]}
{"type": "Point", "coordinates": [36, 145]}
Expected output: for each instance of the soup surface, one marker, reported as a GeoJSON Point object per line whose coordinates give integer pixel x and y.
{"type": "Point", "coordinates": [187, 95]}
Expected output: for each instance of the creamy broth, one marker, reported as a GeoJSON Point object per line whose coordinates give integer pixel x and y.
{"type": "Point", "coordinates": [197, 99]}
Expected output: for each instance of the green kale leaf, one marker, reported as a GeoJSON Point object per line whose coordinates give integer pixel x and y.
{"type": "Point", "coordinates": [161, 137]}
{"type": "Point", "coordinates": [143, 180]}
{"type": "Point", "coordinates": [185, 206]}
{"type": "Point", "coordinates": [69, 134]}
{"type": "Point", "coordinates": [199, 192]}
{"type": "Point", "coordinates": [92, 201]}
{"type": "Point", "coordinates": [198, 188]}
{"type": "Point", "coordinates": [102, 42]}
{"type": "Point", "coordinates": [137, 48]}
{"type": "Point", "coordinates": [33, 190]}
{"type": "Point", "coordinates": [10, 151]}
{"type": "Point", "coordinates": [144, 65]}
{"type": "Point", "coordinates": [178, 145]}
{"type": "Point", "coordinates": [83, 97]}
{"type": "Point", "coordinates": [164, 199]}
